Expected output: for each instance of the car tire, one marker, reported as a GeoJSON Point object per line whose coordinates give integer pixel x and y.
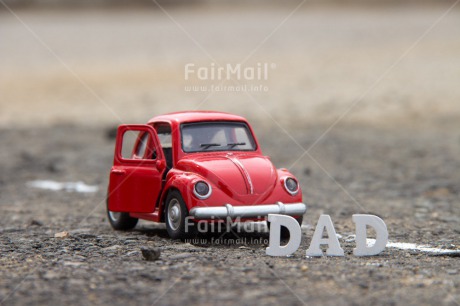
{"type": "Point", "coordinates": [284, 231]}
{"type": "Point", "coordinates": [176, 214]}
{"type": "Point", "coordinates": [119, 220]}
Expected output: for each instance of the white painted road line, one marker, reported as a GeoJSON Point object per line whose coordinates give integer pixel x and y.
{"type": "Point", "coordinates": [66, 186]}
{"type": "Point", "coordinates": [417, 247]}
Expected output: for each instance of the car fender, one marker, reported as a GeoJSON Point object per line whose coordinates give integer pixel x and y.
{"type": "Point", "coordinates": [182, 182]}
{"type": "Point", "coordinates": [280, 191]}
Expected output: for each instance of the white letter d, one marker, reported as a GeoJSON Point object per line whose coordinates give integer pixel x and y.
{"type": "Point", "coordinates": [274, 247]}
{"type": "Point", "coordinates": [381, 238]}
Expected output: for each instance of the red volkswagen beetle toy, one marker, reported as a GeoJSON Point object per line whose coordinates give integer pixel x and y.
{"type": "Point", "coordinates": [187, 167]}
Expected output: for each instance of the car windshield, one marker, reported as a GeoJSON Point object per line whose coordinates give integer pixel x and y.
{"type": "Point", "coordinates": [216, 136]}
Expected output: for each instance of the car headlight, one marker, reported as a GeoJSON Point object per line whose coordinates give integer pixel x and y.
{"type": "Point", "coordinates": [291, 186]}
{"type": "Point", "coordinates": [202, 190]}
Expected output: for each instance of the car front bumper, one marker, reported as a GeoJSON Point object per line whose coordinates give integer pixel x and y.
{"type": "Point", "coordinates": [248, 211]}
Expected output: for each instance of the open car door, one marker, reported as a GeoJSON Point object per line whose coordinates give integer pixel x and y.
{"type": "Point", "coordinates": [137, 172]}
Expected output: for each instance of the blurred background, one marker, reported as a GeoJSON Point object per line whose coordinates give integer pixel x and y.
{"type": "Point", "coordinates": [107, 62]}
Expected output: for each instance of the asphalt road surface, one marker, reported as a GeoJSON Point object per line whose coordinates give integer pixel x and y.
{"type": "Point", "coordinates": [408, 178]}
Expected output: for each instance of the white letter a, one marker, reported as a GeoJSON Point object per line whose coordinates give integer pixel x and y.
{"type": "Point", "coordinates": [333, 248]}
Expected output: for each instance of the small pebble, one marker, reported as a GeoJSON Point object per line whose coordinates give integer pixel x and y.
{"type": "Point", "coordinates": [150, 254]}
{"type": "Point", "coordinates": [62, 235]}
{"type": "Point", "coordinates": [34, 222]}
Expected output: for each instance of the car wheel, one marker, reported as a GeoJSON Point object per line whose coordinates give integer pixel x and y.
{"type": "Point", "coordinates": [119, 220]}
{"type": "Point", "coordinates": [176, 214]}
{"type": "Point", "coordinates": [285, 231]}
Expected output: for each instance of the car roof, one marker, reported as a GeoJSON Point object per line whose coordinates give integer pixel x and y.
{"type": "Point", "coordinates": [194, 116]}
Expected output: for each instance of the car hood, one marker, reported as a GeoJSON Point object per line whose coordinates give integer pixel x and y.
{"type": "Point", "coordinates": [236, 175]}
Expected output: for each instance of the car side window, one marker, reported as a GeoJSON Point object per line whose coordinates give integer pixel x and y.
{"type": "Point", "coordinates": [164, 135]}
{"type": "Point", "coordinates": [135, 145]}
{"type": "Point", "coordinates": [142, 145]}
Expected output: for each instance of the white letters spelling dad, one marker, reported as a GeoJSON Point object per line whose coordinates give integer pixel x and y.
{"type": "Point", "coordinates": [325, 224]}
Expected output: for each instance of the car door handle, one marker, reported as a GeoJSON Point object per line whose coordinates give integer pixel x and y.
{"type": "Point", "coordinates": [118, 171]}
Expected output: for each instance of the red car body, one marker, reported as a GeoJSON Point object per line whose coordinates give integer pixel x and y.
{"type": "Point", "coordinates": [241, 181]}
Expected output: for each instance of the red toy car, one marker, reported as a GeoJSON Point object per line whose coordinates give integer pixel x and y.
{"type": "Point", "coordinates": [185, 167]}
